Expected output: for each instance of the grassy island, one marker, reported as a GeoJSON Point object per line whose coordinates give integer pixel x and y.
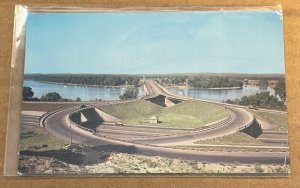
{"type": "Point", "coordinates": [189, 114]}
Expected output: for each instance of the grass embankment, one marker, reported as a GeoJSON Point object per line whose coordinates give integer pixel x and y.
{"type": "Point", "coordinates": [237, 138]}
{"type": "Point", "coordinates": [276, 119]}
{"type": "Point", "coordinates": [189, 114]}
{"type": "Point", "coordinates": [35, 138]}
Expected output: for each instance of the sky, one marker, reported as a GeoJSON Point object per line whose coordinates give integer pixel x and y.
{"type": "Point", "coordinates": [155, 42]}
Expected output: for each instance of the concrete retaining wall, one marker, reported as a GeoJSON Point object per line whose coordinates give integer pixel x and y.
{"type": "Point", "coordinates": [86, 117]}
{"type": "Point", "coordinates": [253, 129]}
{"type": "Point", "coordinates": [90, 118]}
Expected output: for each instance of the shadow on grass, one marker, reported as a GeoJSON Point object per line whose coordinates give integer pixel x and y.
{"type": "Point", "coordinates": [29, 134]}
{"type": "Point", "coordinates": [82, 155]}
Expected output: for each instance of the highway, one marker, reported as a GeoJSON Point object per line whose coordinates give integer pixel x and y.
{"type": "Point", "coordinates": [56, 124]}
{"type": "Point", "coordinates": [274, 138]}
{"type": "Point", "coordinates": [152, 143]}
{"type": "Point", "coordinates": [239, 119]}
{"type": "Point", "coordinates": [161, 90]}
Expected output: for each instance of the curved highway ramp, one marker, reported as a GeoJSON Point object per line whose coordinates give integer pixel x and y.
{"type": "Point", "coordinates": [57, 125]}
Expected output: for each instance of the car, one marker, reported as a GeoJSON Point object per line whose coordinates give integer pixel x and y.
{"type": "Point", "coordinates": [119, 124]}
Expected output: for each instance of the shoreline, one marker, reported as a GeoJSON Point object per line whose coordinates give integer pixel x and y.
{"type": "Point", "coordinates": [121, 86]}
{"type": "Point", "coordinates": [213, 88]}
{"type": "Point", "coordinates": [83, 85]}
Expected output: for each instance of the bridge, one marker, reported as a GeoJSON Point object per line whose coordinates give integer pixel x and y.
{"type": "Point", "coordinates": [155, 95]}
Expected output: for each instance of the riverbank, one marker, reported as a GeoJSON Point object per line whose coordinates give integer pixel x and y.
{"type": "Point", "coordinates": [214, 88]}
{"type": "Point", "coordinates": [85, 93]}
{"type": "Point", "coordinates": [82, 85]}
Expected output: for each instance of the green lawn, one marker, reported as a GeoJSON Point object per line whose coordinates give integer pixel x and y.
{"type": "Point", "coordinates": [189, 114]}
{"type": "Point", "coordinates": [237, 138]}
{"type": "Point", "coordinates": [279, 120]}
{"type": "Point", "coordinates": [38, 139]}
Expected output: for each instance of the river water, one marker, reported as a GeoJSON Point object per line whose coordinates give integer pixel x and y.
{"type": "Point", "coordinates": [219, 95]}
{"type": "Point", "coordinates": [87, 93]}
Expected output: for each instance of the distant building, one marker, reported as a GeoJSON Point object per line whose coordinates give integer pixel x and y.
{"type": "Point", "coordinates": [253, 82]}
{"type": "Point", "coordinates": [153, 119]}
{"type": "Point", "coordinates": [272, 83]}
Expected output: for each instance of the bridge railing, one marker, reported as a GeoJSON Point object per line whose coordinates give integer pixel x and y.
{"type": "Point", "coordinates": [148, 90]}
{"type": "Point", "coordinates": [171, 94]}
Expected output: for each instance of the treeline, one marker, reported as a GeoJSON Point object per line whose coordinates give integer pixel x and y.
{"type": "Point", "coordinates": [202, 81]}
{"type": "Point", "coordinates": [214, 82]}
{"type": "Point", "coordinates": [28, 95]}
{"type": "Point", "coordinates": [280, 90]}
{"type": "Point", "coordinates": [264, 100]}
{"type": "Point", "coordinates": [130, 93]}
{"type": "Point", "coordinates": [87, 79]}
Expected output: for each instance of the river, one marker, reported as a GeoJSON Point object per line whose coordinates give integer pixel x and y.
{"type": "Point", "coordinates": [219, 95]}
{"type": "Point", "coordinates": [87, 93]}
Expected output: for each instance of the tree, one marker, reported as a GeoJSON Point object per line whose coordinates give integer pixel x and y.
{"type": "Point", "coordinates": [86, 79]}
{"type": "Point", "coordinates": [263, 99]}
{"type": "Point", "coordinates": [280, 90]}
{"type": "Point", "coordinates": [27, 93]}
{"type": "Point", "coordinates": [262, 82]}
{"type": "Point", "coordinates": [52, 97]}
{"type": "Point", "coordinates": [78, 99]}
{"type": "Point", "coordinates": [130, 92]}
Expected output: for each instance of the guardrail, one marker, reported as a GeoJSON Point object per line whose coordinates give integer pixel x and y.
{"type": "Point", "coordinates": [148, 91]}
{"type": "Point", "coordinates": [247, 125]}
{"type": "Point", "coordinates": [253, 128]}
{"type": "Point", "coordinates": [216, 125]}
{"type": "Point", "coordinates": [47, 114]}
{"type": "Point", "coordinates": [171, 94]}
{"type": "Point", "coordinates": [72, 123]}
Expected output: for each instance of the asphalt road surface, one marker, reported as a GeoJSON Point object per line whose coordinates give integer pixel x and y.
{"type": "Point", "coordinates": [56, 124]}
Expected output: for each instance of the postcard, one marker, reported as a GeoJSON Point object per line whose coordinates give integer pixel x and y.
{"type": "Point", "coordinates": [154, 92]}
